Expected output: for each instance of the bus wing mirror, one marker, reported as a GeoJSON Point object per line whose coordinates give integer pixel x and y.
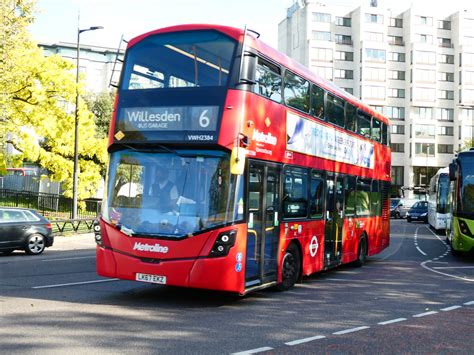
{"type": "Point", "coordinates": [249, 68]}
{"type": "Point", "coordinates": [237, 160]}
{"type": "Point", "coordinates": [452, 171]}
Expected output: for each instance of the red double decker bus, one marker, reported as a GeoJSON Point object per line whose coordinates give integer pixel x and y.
{"type": "Point", "coordinates": [233, 167]}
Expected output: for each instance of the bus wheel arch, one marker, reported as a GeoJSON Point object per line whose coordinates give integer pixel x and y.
{"type": "Point", "coordinates": [290, 267]}
{"type": "Point", "coordinates": [362, 250]}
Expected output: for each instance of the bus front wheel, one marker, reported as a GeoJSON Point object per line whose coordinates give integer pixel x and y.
{"type": "Point", "coordinates": [290, 269]}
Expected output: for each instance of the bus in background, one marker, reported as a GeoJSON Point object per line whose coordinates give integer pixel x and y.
{"type": "Point", "coordinates": [460, 223]}
{"type": "Point", "coordinates": [437, 199]}
{"type": "Point", "coordinates": [234, 168]}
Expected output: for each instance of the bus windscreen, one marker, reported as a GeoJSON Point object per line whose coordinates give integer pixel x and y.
{"type": "Point", "coordinates": [171, 195]}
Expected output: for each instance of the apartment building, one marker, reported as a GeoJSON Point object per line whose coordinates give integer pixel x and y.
{"type": "Point", "coordinates": [96, 63]}
{"type": "Point", "coordinates": [414, 65]}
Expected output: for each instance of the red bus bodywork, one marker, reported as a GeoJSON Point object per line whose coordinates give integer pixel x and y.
{"type": "Point", "coordinates": [186, 262]}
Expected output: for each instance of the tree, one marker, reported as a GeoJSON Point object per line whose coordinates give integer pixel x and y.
{"type": "Point", "coordinates": [102, 106]}
{"type": "Point", "coordinates": [467, 144]}
{"type": "Point", "coordinates": [37, 96]}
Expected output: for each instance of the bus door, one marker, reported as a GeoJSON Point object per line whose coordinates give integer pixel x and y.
{"type": "Point", "coordinates": [334, 219]}
{"type": "Point", "coordinates": [263, 208]}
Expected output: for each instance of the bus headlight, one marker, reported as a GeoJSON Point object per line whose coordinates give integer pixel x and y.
{"type": "Point", "coordinates": [464, 228]}
{"type": "Point", "coordinates": [223, 243]}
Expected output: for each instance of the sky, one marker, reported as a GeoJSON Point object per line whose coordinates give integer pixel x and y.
{"type": "Point", "coordinates": [57, 20]}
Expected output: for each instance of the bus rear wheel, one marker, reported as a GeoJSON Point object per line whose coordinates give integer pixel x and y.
{"type": "Point", "coordinates": [361, 252]}
{"type": "Point", "coordinates": [290, 269]}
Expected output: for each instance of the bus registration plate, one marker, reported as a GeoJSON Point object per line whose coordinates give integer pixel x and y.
{"type": "Point", "coordinates": [154, 279]}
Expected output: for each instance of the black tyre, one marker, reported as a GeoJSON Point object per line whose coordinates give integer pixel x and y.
{"type": "Point", "coordinates": [35, 244]}
{"type": "Point", "coordinates": [362, 252]}
{"type": "Point", "coordinates": [291, 268]}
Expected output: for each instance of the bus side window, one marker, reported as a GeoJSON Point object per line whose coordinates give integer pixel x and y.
{"type": "Point", "coordinates": [363, 124]}
{"type": "Point", "coordinates": [268, 80]}
{"type": "Point", "coordinates": [351, 117]}
{"type": "Point", "coordinates": [385, 134]}
{"type": "Point", "coordinates": [363, 197]}
{"type": "Point", "coordinates": [350, 191]}
{"type": "Point", "coordinates": [375, 199]}
{"type": "Point", "coordinates": [335, 110]}
{"type": "Point", "coordinates": [376, 129]}
{"type": "Point", "coordinates": [317, 102]}
{"type": "Point", "coordinates": [316, 195]}
{"type": "Point", "coordinates": [295, 199]}
{"type": "Point", "coordinates": [296, 92]}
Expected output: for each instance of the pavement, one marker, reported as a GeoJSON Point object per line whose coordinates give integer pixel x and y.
{"type": "Point", "coordinates": [76, 241]}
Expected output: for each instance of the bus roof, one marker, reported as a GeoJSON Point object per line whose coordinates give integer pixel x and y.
{"type": "Point", "coordinates": [271, 53]}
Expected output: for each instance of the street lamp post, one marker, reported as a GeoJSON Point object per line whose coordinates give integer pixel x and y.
{"type": "Point", "coordinates": [76, 124]}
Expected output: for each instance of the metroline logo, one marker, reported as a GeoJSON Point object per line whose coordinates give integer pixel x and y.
{"type": "Point", "coordinates": [264, 137]}
{"type": "Point", "coordinates": [157, 248]}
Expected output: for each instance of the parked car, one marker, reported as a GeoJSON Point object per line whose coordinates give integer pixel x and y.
{"type": "Point", "coordinates": [418, 212]}
{"type": "Point", "coordinates": [395, 207]}
{"type": "Point", "coordinates": [25, 229]}
{"type": "Point", "coordinates": [399, 207]}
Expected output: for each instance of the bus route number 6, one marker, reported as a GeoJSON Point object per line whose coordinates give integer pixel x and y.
{"type": "Point", "coordinates": [204, 121]}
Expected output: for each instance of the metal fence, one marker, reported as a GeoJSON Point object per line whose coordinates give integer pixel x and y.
{"type": "Point", "coordinates": [50, 205]}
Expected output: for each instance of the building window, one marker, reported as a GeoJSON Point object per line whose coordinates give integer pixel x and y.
{"type": "Point", "coordinates": [424, 94]}
{"type": "Point", "coordinates": [424, 112]}
{"type": "Point", "coordinates": [446, 94]}
{"type": "Point", "coordinates": [343, 74]}
{"type": "Point", "coordinates": [374, 18]}
{"type": "Point", "coordinates": [349, 90]}
{"type": "Point", "coordinates": [424, 38]}
{"type": "Point", "coordinates": [343, 21]}
{"type": "Point", "coordinates": [344, 56]}
{"type": "Point", "coordinates": [373, 36]}
{"type": "Point", "coordinates": [395, 40]}
{"type": "Point", "coordinates": [321, 17]}
{"type": "Point", "coordinates": [397, 129]}
{"type": "Point", "coordinates": [445, 149]}
{"type": "Point", "coordinates": [375, 55]}
{"type": "Point", "coordinates": [324, 72]}
{"type": "Point", "coordinates": [424, 131]}
{"type": "Point", "coordinates": [395, 113]}
{"type": "Point", "coordinates": [445, 42]}
{"type": "Point", "coordinates": [396, 75]}
{"type": "Point", "coordinates": [446, 59]}
{"type": "Point", "coordinates": [425, 149]}
{"type": "Point", "coordinates": [323, 54]}
{"type": "Point", "coordinates": [396, 57]}
{"type": "Point", "coordinates": [374, 74]}
{"type": "Point", "coordinates": [396, 22]}
{"type": "Point", "coordinates": [399, 93]}
{"type": "Point", "coordinates": [466, 59]}
{"type": "Point", "coordinates": [321, 35]}
{"type": "Point", "coordinates": [445, 114]}
{"type": "Point", "coordinates": [446, 131]}
{"type": "Point", "coordinates": [466, 77]}
{"type": "Point", "coordinates": [467, 113]}
{"type": "Point", "coordinates": [466, 96]}
{"type": "Point", "coordinates": [423, 20]}
{"type": "Point", "coordinates": [374, 92]}
{"type": "Point", "coordinates": [397, 175]}
{"type": "Point", "coordinates": [424, 76]}
{"type": "Point", "coordinates": [424, 57]}
{"type": "Point", "coordinates": [343, 39]}
{"type": "Point", "coordinates": [444, 25]}
{"type": "Point", "coordinates": [397, 147]}
{"type": "Point", "coordinates": [442, 76]}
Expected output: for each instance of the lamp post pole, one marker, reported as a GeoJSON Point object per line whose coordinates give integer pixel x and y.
{"type": "Point", "coordinates": [75, 174]}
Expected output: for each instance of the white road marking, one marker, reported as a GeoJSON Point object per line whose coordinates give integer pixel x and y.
{"type": "Point", "coordinates": [75, 283]}
{"type": "Point", "coordinates": [305, 340]}
{"type": "Point", "coordinates": [253, 351]}
{"type": "Point", "coordinates": [352, 330]}
{"type": "Point", "coordinates": [421, 251]}
{"type": "Point", "coordinates": [392, 321]}
{"type": "Point", "coordinates": [419, 315]}
{"type": "Point", "coordinates": [450, 308]}
{"type": "Point", "coordinates": [453, 267]}
{"type": "Point", "coordinates": [67, 259]}
{"type": "Point", "coordinates": [415, 237]}
{"type": "Point", "coordinates": [470, 303]}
